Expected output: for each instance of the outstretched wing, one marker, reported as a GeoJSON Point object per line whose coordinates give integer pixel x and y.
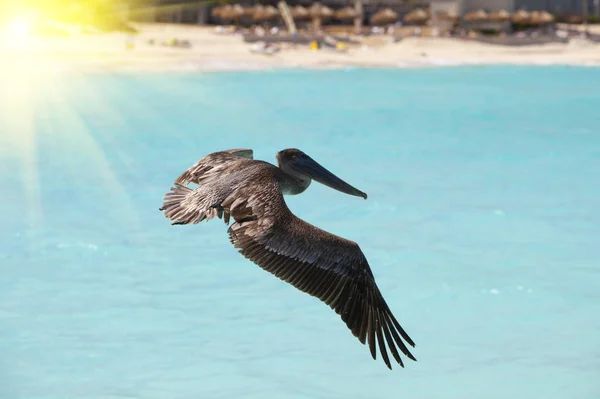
{"type": "Point", "coordinates": [321, 264]}
{"type": "Point", "coordinates": [211, 161]}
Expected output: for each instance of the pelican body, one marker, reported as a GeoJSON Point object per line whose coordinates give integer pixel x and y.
{"type": "Point", "coordinates": [232, 185]}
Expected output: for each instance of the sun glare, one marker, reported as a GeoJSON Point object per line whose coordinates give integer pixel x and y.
{"type": "Point", "coordinates": [17, 33]}
{"type": "Point", "coordinates": [18, 29]}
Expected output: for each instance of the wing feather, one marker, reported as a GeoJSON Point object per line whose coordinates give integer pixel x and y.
{"type": "Point", "coordinates": [211, 161]}
{"type": "Point", "coordinates": [183, 205]}
{"type": "Point", "coordinates": [321, 264]}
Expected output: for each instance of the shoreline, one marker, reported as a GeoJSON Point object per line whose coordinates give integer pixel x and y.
{"type": "Point", "coordinates": [211, 52]}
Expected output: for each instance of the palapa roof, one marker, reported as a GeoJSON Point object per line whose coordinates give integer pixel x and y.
{"type": "Point", "coordinates": [262, 13]}
{"type": "Point", "coordinates": [248, 10]}
{"type": "Point", "coordinates": [345, 13]}
{"type": "Point", "coordinates": [446, 15]}
{"type": "Point", "coordinates": [520, 16]}
{"type": "Point", "coordinates": [252, 10]}
{"type": "Point", "coordinates": [478, 15]}
{"type": "Point", "coordinates": [541, 17]}
{"type": "Point", "coordinates": [318, 10]}
{"type": "Point", "coordinates": [300, 12]}
{"type": "Point", "coordinates": [416, 16]}
{"type": "Point", "coordinates": [217, 11]}
{"type": "Point", "coordinates": [231, 12]}
{"type": "Point", "coordinates": [384, 17]}
{"type": "Point", "coordinates": [501, 15]}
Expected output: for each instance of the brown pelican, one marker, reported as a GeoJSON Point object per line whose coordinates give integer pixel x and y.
{"type": "Point", "coordinates": [231, 184]}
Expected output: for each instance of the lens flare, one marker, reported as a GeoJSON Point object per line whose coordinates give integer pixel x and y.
{"type": "Point", "coordinates": [17, 32]}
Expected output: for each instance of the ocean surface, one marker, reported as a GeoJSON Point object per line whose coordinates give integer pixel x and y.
{"type": "Point", "coordinates": [482, 228]}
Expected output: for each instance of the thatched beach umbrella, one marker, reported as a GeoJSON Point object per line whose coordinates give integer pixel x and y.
{"type": "Point", "coordinates": [547, 17]}
{"type": "Point", "coordinates": [300, 13]}
{"type": "Point", "coordinates": [533, 17]}
{"type": "Point", "coordinates": [238, 10]}
{"type": "Point", "coordinates": [501, 15]}
{"type": "Point", "coordinates": [319, 10]}
{"type": "Point", "coordinates": [446, 16]}
{"type": "Point", "coordinates": [257, 11]}
{"type": "Point", "coordinates": [345, 14]}
{"type": "Point", "coordinates": [272, 12]}
{"type": "Point", "coordinates": [384, 17]}
{"type": "Point", "coordinates": [520, 17]}
{"type": "Point", "coordinates": [417, 17]}
{"type": "Point", "coordinates": [216, 12]}
{"type": "Point", "coordinates": [319, 13]}
{"type": "Point", "coordinates": [478, 15]}
{"type": "Point", "coordinates": [263, 14]}
{"type": "Point", "coordinates": [541, 17]}
{"type": "Point", "coordinates": [231, 13]}
{"type": "Point", "coordinates": [249, 11]}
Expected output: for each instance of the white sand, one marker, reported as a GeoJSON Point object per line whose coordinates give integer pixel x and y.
{"type": "Point", "coordinates": [213, 52]}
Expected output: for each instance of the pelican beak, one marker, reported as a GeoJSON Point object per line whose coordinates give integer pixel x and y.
{"type": "Point", "coordinates": [323, 176]}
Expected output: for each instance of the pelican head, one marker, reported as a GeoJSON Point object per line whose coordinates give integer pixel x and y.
{"type": "Point", "coordinates": [300, 165]}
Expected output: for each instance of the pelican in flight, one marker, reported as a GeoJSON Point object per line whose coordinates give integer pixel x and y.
{"type": "Point", "coordinates": [231, 184]}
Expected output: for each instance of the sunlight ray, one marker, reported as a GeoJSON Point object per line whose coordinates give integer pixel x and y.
{"type": "Point", "coordinates": [18, 138]}
{"type": "Point", "coordinates": [75, 143]}
{"type": "Point", "coordinates": [111, 117]}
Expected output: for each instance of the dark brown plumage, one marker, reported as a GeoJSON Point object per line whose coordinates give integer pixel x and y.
{"type": "Point", "coordinates": [331, 268]}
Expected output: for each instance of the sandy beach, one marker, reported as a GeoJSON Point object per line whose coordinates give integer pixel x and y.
{"type": "Point", "coordinates": [210, 51]}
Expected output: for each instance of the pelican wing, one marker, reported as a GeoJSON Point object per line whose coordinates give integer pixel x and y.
{"type": "Point", "coordinates": [321, 264]}
{"type": "Point", "coordinates": [216, 159]}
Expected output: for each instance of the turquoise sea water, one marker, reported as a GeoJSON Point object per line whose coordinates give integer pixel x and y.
{"type": "Point", "coordinates": [482, 227]}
